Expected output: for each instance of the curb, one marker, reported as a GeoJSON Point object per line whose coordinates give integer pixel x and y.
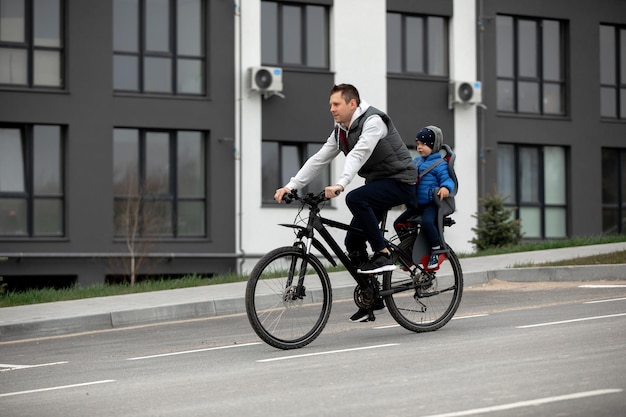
{"type": "Point", "coordinates": [117, 319]}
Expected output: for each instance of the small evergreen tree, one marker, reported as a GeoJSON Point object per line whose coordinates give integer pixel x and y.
{"type": "Point", "coordinates": [496, 225]}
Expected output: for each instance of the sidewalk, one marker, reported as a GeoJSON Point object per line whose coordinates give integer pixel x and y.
{"type": "Point", "coordinates": [66, 317]}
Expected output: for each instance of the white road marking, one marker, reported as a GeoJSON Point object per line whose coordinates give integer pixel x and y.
{"type": "Point", "coordinates": [603, 286]}
{"type": "Point", "coordinates": [469, 317]}
{"type": "Point", "coordinates": [453, 318]}
{"type": "Point", "coordinates": [605, 301]}
{"type": "Point", "coordinates": [571, 321]}
{"type": "Point", "coordinates": [191, 351]}
{"type": "Point", "coordinates": [530, 403]}
{"type": "Point", "coordinates": [10, 367]}
{"type": "Point", "coordinates": [330, 352]}
{"type": "Point", "coordinates": [9, 394]}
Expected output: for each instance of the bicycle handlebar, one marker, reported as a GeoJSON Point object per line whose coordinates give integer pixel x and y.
{"type": "Point", "coordinates": [311, 199]}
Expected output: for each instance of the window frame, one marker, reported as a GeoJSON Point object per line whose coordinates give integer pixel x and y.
{"type": "Point", "coordinates": [29, 45]}
{"type": "Point", "coordinates": [618, 86]}
{"type": "Point", "coordinates": [616, 208]}
{"type": "Point", "coordinates": [304, 38]}
{"type": "Point", "coordinates": [29, 193]}
{"type": "Point", "coordinates": [173, 196]}
{"type": "Point", "coordinates": [267, 190]}
{"type": "Point", "coordinates": [425, 47]}
{"type": "Point", "coordinates": [142, 54]}
{"type": "Point", "coordinates": [516, 200]}
{"type": "Point", "coordinates": [540, 79]}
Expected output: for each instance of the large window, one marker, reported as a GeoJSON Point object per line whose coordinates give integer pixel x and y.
{"type": "Point", "coordinates": [281, 161]}
{"type": "Point", "coordinates": [417, 44]}
{"type": "Point", "coordinates": [159, 183]}
{"type": "Point", "coordinates": [31, 181]}
{"type": "Point", "coordinates": [531, 65]}
{"type": "Point", "coordinates": [613, 191]}
{"type": "Point", "coordinates": [31, 43]}
{"type": "Point", "coordinates": [534, 179]}
{"type": "Point", "coordinates": [613, 72]}
{"type": "Point", "coordinates": [159, 46]}
{"type": "Point", "coordinates": [294, 35]}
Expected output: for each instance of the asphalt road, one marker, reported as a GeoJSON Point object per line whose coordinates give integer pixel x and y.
{"type": "Point", "coordinates": [536, 349]}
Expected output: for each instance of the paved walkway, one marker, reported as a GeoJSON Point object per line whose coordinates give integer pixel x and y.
{"type": "Point", "coordinates": [48, 319]}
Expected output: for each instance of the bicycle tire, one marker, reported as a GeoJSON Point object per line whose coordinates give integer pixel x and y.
{"type": "Point", "coordinates": [277, 317]}
{"type": "Point", "coordinates": [431, 307]}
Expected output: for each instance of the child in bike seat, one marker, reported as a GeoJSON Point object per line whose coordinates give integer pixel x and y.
{"type": "Point", "coordinates": [433, 173]}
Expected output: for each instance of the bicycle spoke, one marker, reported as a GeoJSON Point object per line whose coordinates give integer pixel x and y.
{"type": "Point", "coordinates": [282, 313]}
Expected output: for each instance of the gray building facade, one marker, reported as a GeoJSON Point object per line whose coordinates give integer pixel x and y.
{"type": "Point", "coordinates": [119, 122]}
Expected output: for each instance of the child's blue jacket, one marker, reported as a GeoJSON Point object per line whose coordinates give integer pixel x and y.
{"type": "Point", "coordinates": [436, 178]}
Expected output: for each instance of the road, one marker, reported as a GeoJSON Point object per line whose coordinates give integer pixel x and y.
{"type": "Point", "coordinates": [512, 350]}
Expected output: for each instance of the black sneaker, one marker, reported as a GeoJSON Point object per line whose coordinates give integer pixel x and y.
{"type": "Point", "coordinates": [379, 262]}
{"type": "Point", "coordinates": [363, 314]}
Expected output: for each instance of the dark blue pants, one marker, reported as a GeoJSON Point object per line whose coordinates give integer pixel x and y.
{"type": "Point", "coordinates": [368, 204]}
{"type": "Point", "coordinates": [429, 221]}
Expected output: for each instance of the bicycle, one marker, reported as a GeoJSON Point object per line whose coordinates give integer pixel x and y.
{"type": "Point", "coordinates": [289, 297]}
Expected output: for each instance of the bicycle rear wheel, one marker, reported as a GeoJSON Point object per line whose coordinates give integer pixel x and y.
{"type": "Point", "coordinates": [431, 304]}
{"type": "Point", "coordinates": [282, 314]}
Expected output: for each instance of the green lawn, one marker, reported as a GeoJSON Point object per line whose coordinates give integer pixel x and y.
{"type": "Point", "coordinates": [47, 295]}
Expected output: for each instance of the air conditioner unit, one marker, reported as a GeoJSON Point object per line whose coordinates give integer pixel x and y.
{"type": "Point", "coordinates": [266, 79]}
{"type": "Point", "coordinates": [469, 92]}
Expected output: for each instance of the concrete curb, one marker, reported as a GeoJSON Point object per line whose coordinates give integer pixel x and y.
{"type": "Point", "coordinates": [46, 325]}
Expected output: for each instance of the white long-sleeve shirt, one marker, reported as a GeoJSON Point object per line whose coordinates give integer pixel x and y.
{"type": "Point", "coordinates": [374, 129]}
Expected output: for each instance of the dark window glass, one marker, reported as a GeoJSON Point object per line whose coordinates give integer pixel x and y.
{"type": "Point", "coordinates": [159, 46]}
{"type": "Point", "coordinates": [159, 183]}
{"type": "Point", "coordinates": [31, 43]}
{"type": "Point", "coordinates": [530, 65]}
{"type": "Point", "coordinates": [417, 44]}
{"type": "Point", "coordinates": [31, 181]}
{"type": "Point", "coordinates": [534, 178]}
{"type": "Point", "coordinates": [613, 72]}
{"type": "Point", "coordinates": [613, 191]}
{"type": "Point", "coordinates": [294, 35]}
{"type": "Point", "coordinates": [281, 161]}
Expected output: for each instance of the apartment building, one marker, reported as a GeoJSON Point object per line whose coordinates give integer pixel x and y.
{"type": "Point", "coordinates": [140, 129]}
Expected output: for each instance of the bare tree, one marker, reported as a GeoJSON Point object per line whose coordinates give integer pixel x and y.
{"type": "Point", "coordinates": [137, 220]}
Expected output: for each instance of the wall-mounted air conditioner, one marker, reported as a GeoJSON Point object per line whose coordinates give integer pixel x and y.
{"type": "Point", "coordinates": [467, 92]}
{"type": "Point", "coordinates": [266, 79]}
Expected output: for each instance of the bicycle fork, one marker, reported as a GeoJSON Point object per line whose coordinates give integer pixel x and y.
{"type": "Point", "coordinates": [298, 291]}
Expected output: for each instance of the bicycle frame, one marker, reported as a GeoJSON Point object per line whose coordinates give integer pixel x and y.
{"type": "Point", "coordinates": [318, 223]}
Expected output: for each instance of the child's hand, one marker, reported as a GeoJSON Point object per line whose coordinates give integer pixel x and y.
{"type": "Point", "coordinates": [443, 193]}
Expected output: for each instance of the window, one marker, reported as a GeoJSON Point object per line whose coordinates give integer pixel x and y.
{"type": "Point", "coordinates": [31, 43]}
{"type": "Point", "coordinates": [159, 183]}
{"type": "Point", "coordinates": [613, 72]}
{"type": "Point", "coordinates": [613, 191]}
{"type": "Point", "coordinates": [31, 181]}
{"type": "Point", "coordinates": [534, 179]}
{"type": "Point", "coordinates": [281, 161]}
{"type": "Point", "coordinates": [417, 44]}
{"type": "Point", "coordinates": [530, 65]}
{"type": "Point", "coordinates": [294, 35]}
{"type": "Point", "coordinates": [159, 46]}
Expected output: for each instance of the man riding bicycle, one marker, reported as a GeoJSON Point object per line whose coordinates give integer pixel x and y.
{"type": "Point", "coordinates": [375, 151]}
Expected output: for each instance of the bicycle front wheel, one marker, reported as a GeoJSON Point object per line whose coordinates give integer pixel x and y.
{"type": "Point", "coordinates": [283, 313]}
{"type": "Point", "coordinates": [432, 299]}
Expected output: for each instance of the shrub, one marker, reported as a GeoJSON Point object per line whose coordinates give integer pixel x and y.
{"type": "Point", "coordinates": [496, 225]}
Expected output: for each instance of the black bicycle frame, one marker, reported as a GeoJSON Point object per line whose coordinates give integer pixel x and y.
{"type": "Point", "coordinates": [318, 223]}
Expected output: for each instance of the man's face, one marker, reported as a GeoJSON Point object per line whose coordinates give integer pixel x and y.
{"type": "Point", "coordinates": [342, 112]}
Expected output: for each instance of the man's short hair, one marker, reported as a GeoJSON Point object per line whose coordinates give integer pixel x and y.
{"type": "Point", "coordinates": [348, 92]}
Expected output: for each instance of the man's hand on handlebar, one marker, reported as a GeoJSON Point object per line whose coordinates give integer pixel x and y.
{"type": "Point", "coordinates": [332, 191]}
{"type": "Point", "coordinates": [280, 193]}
